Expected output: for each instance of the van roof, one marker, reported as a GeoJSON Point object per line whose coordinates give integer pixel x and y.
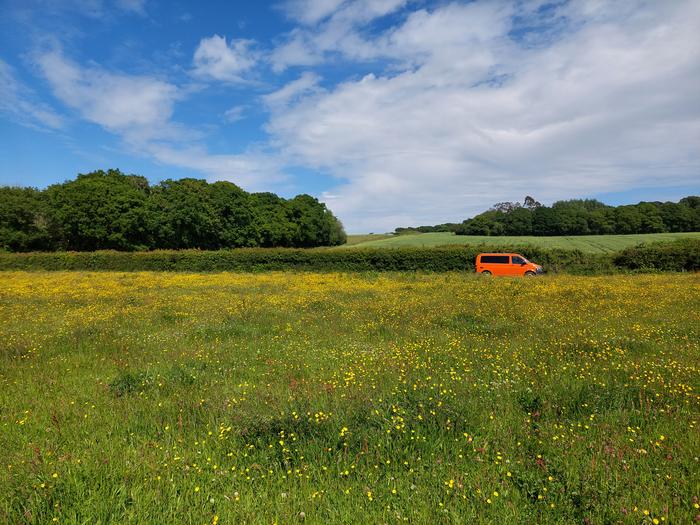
{"type": "Point", "coordinates": [498, 253]}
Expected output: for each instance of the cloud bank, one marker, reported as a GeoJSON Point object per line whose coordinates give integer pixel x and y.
{"type": "Point", "coordinates": [139, 109]}
{"type": "Point", "coordinates": [474, 110]}
{"type": "Point", "coordinates": [417, 113]}
{"type": "Point", "coordinates": [19, 102]}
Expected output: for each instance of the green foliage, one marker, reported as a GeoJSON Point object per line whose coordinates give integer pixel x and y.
{"type": "Point", "coordinates": [26, 222]}
{"type": "Point", "coordinates": [583, 217]}
{"type": "Point", "coordinates": [235, 214]}
{"type": "Point", "coordinates": [681, 255]}
{"type": "Point", "coordinates": [446, 227]}
{"type": "Point", "coordinates": [109, 210]}
{"type": "Point", "coordinates": [184, 215]}
{"type": "Point", "coordinates": [678, 256]}
{"type": "Point", "coordinates": [101, 210]}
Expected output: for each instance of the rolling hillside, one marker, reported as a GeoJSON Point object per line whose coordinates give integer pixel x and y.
{"type": "Point", "coordinates": [586, 243]}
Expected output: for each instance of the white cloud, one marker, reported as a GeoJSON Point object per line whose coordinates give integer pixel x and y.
{"type": "Point", "coordinates": [216, 59]}
{"type": "Point", "coordinates": [139, 110]}
{"type": "Point", "coordinates": [133, 6]}
{"type": "Point", "coordinates": [293, 91]}
{"type": "Point", "coordinates": [337, 31]}
{"type": "Point", "coordinates": [234, 114]}
{"type": "Point", "coordinates": [19, 102]}
{"type": "Point", "coordinates": [474, 117]}
{"type": "Point", "coordinates": [297, 50]}
{"type": "Point", "coordinates": [138, 106]}
{"type": "Point", "coordinates": [351, 12]}
{"type": "Point", "coordinates": [254, 171]}
{"type": "Point", "coordinates": [460, 106]}
{"type": "Point", "coordinates": [311, 11]}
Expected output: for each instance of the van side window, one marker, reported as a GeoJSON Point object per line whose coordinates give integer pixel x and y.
{"type": "Point", "coordinates": [494, 259]}
{"type": "Point", "coordinates": [518, 260]}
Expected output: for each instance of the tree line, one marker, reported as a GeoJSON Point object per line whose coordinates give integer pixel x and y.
{"type": "Point", "coordinates": [576, 217]}
{"type": "Point", "coordinates": [110, 210]}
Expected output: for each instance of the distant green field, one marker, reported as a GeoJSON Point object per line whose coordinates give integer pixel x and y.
{"type": "Point", "coordinates": [366, 237]}
{"type": "Point", "coordinates": [586, 243]}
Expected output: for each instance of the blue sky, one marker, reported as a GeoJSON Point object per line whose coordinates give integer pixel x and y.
{"type": "Point", "coordinates": [393, 112]}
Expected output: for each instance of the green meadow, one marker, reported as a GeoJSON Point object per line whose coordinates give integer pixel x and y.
{"type": "Point", "coordinates": [585, 243]}
{"type": "Point", "coordinates": [276, 397]}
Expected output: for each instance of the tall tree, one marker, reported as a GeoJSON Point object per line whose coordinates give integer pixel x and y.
{"type": "Point", "coordinates": [183, 215]}
{"type": "Point", "coordinates": [26, 221]}
{"type": "Point", "coordinates": [236, 215]}
{"type": "Point", "coordinates": [101, 210]}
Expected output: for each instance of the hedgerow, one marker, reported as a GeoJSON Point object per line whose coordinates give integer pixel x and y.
{"type": "Point", "coordinates": [678, 256]}
{"type": "Point", "coordinates": [440, 259]}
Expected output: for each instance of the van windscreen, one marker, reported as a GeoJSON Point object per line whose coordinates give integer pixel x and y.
{"type": "Point", "coordinates": [494, 259]}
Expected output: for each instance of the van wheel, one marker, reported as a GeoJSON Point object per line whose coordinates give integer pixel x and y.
{"type": "Point", "coordinates": [529, 274]}
{"type": "Point", "coordinates": [486, 273]}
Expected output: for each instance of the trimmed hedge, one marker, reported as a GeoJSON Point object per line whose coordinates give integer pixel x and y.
{"type": "Point", "coordinates": [676, 256]}
{"type": "Point", "coordinates": [439, 259]}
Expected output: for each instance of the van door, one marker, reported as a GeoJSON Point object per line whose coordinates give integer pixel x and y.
{"type": "Point", "coordinates": [517, 265]}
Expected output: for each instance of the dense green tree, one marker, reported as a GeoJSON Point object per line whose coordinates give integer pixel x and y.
{"type": "Point", "coordinates": [518, 222]}
{"type": "Point", "coordinates": [692, 201]}
{"type": "Point", "coordinates": [584, 216]}
{"type": "Point", "coordinates": [601, 221]}
{"type": "Point", "coordinates": [693, 204]}
{"type": "Point", "coordinates": [627, 219]}
{"type": "Point", "coordinates": [26, 222]}
{"type": "Point", "coordinates": [676, 217]}
{"type": "Point", "coordinates": [652, 220]}
{"type": "Point", "coordinates": [479, 225]}
{"type": "Point", "coordinates": [110, 210]}
{"type": "Point", "coordinates": [274, 227]}
{"type": "Point", "coordinates": [572, 216]}
{"type": "Point", "coordinates": [570, 221]}
{"type": "Point", "coordinates": [544, 221]}
{"type": "Point", "coordinates": [101, 210]}
{"type": "Point", "coordinates": [316, 226]}
{"type": "Point", "coordinates": [182, 215]}
{"type": "Point", "coordinates": [235, 214]}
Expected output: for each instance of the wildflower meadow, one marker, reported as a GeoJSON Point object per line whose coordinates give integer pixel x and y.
{"type": "Point", "coordinates": [284, 397]}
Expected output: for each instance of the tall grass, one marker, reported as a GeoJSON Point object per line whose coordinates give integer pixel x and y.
{"type": "Point", "coordinates": [348, 398]}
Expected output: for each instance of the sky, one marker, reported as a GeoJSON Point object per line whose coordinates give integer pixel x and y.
{"type": "Point", "coordinates": [392, 112]}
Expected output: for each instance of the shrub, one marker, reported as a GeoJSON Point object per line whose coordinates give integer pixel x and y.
{"type": "Point", "coordinates": [680, 255]}
{"type": "Point", "coordinates": [677, 256]}
{"type": "Point", "coordinates": [440, 259]}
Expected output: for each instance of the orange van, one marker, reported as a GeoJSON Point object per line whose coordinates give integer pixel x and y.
{"type": "Point", "coordinates": [512, 264]}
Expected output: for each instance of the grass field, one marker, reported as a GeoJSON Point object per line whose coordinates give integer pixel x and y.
{"type": "Point", "coordinates": [585, 243]}
{"type": "Point", "coordinates": [369, 237]}
{"type": "Point", "coordinates": [348, 398]}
